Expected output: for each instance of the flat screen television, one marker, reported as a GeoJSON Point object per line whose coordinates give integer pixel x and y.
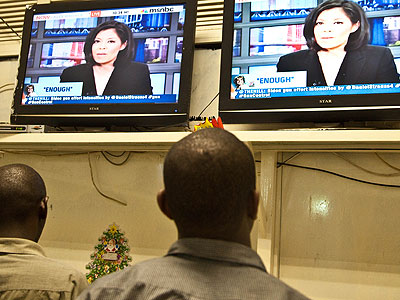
{"type": "Point", "coordinates": [274, 70]}
{"type": "Point", "coordinates": [104, 63]}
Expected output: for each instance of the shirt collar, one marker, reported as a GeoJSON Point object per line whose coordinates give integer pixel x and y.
{"type": "Point", "coordinates": [20, 246]}
{"type": "Point", "coordinates": [217, 250]}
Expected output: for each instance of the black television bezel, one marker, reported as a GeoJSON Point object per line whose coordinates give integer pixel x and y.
{"type": "Point", "coordinates": [314, 109]}
{"type": "Point", "coordinates": [130, 114]}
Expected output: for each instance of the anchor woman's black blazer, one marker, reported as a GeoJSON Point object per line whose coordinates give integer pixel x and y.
{"type": "Point", "coordinates": [370, 64]}
{"type": "Point", "coordinates": [129, 78]}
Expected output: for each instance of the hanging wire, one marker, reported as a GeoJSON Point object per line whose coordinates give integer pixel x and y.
{"type": "Point", "coordinates": [116, 163]}
{"type": "Point", "coordinates": [337, 174]}
{"type": "Point", "coordinates": [5, 90]}
{"type": "Point", "coordinates": [292, 157]}
{"type": "Point", "coordinates": [366, 170]}
{"type": "Point", "coordinates": [285, 161]}
{"type": "Point", "coordinates": [386, 163]}
{"type": "Point", "coordinates": [97, 188]}
{"type": "Point", "coordinates": [11, 28]}
{"type": "Point", "coordinates": [7, 84]}
{"type": "Point", "coordinates": [212, 100]}
{"type": "Point", "coordinates": [115, 155]}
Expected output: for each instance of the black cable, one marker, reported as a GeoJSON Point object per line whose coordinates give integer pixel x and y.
{"type": "Point", "coordinates": [386, 163]}
{"type": "Point", "coordinates": [293, 156]}
{"type": "Point", "coordinates": [10, 28]}
{"type": "Point", "coordinates": [7, 84]}
{"type": "Point", "coordinates": [115, 155]}
{"type": "Point", "coordinates": [117, 164]}
{"type": "Point", "coordinates": [98, 189]}
{"type": "Point", "coordinates": [208, 104]}
{"type": "Point", "coordinates": [5, 90]}
{"type": "Point", "coordinates": [396, 174]}
{"type": "Point", "coordinates": [339, 175]}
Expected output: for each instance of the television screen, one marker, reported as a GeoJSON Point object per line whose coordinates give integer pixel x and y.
{"type": "Point", "coordinates": [310, 61]}
{"type": "Point", "coordinates": [106, 62]}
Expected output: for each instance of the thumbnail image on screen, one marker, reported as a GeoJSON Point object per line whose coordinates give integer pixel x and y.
{"type": "Point", "coordinates": [129, 55]}
{"type": "Point", "coordinates": [311, 48]}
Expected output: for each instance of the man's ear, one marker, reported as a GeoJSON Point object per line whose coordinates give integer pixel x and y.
{"type": "Point", "coordinates": [252, 205]}
{"type": "Point", "coordinates": [43, 209]}
{"type": "Point", "coordinates": [163, 204]}
{"type": "Point", "coordinates": [42, 219]}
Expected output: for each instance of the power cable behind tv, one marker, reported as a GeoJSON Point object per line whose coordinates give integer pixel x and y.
{"type": "Point", "coordinates": [12, 29]}
{"type": "Point", "coordinates": [199, 118]}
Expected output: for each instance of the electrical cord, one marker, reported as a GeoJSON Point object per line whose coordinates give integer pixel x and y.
{"type": "Point", "coordinates": [115, 163]}
{"type": "Point", "coordinates": [386, 163]}
{"type": "Point", "coordinates": [292, 157]}
{"type": "Point", "coordinates": [337, 174]}
{"type": "Point", "coordinates": [10, 28]}
{"type": "Point", "coordinates": [366, 170]}
{"type": "Point", "coordinates": [212, 100]}
{"type": "Point", "coordinates": [7, 84]}
{"type": "Point", "coordinates": [115, 155]}
{"type": "Point", "coordinates": [5, 90]}
{"type": "Point", "coordinates": [97, 188]}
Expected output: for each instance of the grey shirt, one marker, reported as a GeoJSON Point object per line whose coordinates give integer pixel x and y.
{"type": "Point", "coordinates": [195, 269]}
{"type": "Point", "coordinates": [26, 273]}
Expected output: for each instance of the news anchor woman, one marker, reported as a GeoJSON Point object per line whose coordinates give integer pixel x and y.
{"type": "Point", "coordinates": [337, 34]}
{"type": "Point", "coordinates": [109, 69]}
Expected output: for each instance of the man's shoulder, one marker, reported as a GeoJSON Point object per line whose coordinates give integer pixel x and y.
{"type": "Point", "coordinates": [37, 272]}
{"type": "Point", "coordinates": [38, 264]}
{"type": "Point", "coordinates": [54, 264]}
{"type": "Point", "coordinates": [189, 279]}
{"type": "Point", "coordinates": [268, 285]}
{"type": "Point", "coordinates": [139, 270]}
{"type": "Point", "coordinates": [121, 282]}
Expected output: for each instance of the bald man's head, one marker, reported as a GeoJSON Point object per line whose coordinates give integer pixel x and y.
{"type": "Point", "coordinates": [209, 177]}
{"type": "Point", "coordinates": [21, 192]}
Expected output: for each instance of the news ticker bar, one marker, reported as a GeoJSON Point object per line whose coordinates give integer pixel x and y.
{"type": "Point", "coordinates": [384, 88]}
{"type": "Point", "coordinates": [113, 99]}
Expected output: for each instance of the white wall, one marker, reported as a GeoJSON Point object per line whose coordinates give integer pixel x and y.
{"type": "Point", "coordinates": [8, 75]}
{"type": "Point", "coordinates": [341, 238]}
